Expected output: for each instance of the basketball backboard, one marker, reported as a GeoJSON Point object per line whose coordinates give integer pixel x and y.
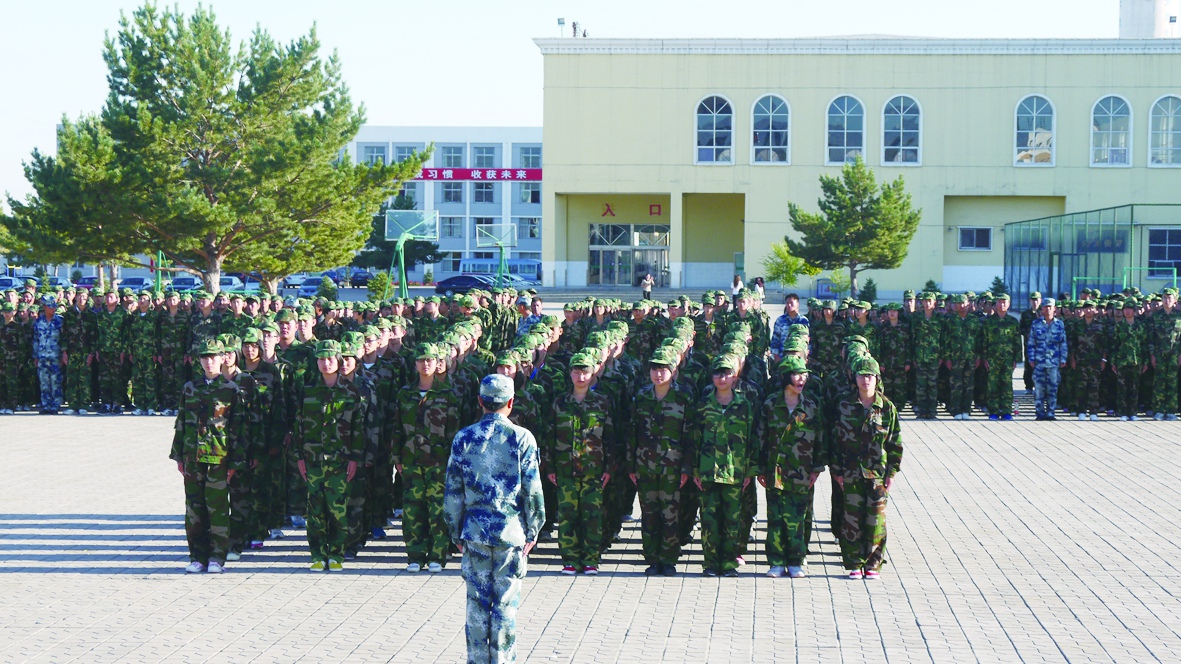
{"type": "Point", "coordinates": [496, 235]}
{"type": "Point", "coordinates": [413, 224]}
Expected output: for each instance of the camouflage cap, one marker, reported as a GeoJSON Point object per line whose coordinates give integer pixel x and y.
{"type": "Point", "coordinates": [508, 358]}
{"type": "Point", "coordinates": [327, 348]}
{"type": "Point", "coordinates": [269, 326]}
{"type": "Point", "coordinates": [236, 296]}
{"type": "Point", "coordinates": [49, 301]}
{"type": "Point", "coordinates": [1035, 295]}
{"type": "Point", "coordinates": [8, 307]}
{"type": "Point", "coordinates": [828, 304]}
{"type": "Point", "coordinates": [352, 348]}
{"type": "Point", "coordinates": [959, 299]}
{"type": "Point", "coordinates": [369, 331]}
{"type": "Point", "coordinates": [867, 366]}
{"type": "Point", "coordinates": [210, 347]}
{"type": "Point", "coordinates": [126, 292]}
{"type": "Point", "coordinates": [495, 388]}
{"type": "Point", "coordinates": [795, 345]}
{"type": "Point", "coordinates": [584, 360]}
{"type": "Point", "coordinates": [927, 295]}
{"type": "Point", "coordinates": [426, 351]}
{"type": "Point", "coordinates": [286, 316]}
{"type": "Point", "coordinates": [1169, 291]}
{"type": "Point", "coordinates": [597, 340]}
{"type": "Point", "coordinates": [908, 294]}
{"type": "Point", "coordinates": [1002, 296]}
{"type": "Point", "coordinates": [398, 321]}
{"type": "Point", "coordinates": [792, 364]}
{"type": "Point", "coordinates": [664, 357]}
{"type": "Point", "coordinates": [252, 335]}
{"type": "Point", "coordinates": [230, 342]}
{"type": "Point", "coordinates": [723, 362]}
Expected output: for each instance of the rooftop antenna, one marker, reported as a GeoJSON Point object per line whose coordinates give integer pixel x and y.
{"type": "Point", "coordinates": [561, 26]}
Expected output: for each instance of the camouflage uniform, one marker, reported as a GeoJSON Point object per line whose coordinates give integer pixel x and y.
{"type": "Point", "coordinates": [172, 332]}
{"type": "Point", "coordinates": [264, 429]}
{"type": "Point", "coordinates": [961, 345]}
{"type": "Point", "coordinates": [76, 344]}
{"type": "Point", "coordinates": [1089, 354]}
{"type": "Point", "coordinates": [328, 431]}
{"type": "Point", "coordinates": [493, 506]}
{"type": "Point", "coordinates": [294, 363]}
{"type": "Point", "coordinates": [1127, 359]}
{"type": "Point", "coordinates": [867, 452]}
{"type": "Point", "coordinates": [925, 334]}
{"type": "Point", "coordinates": [1001, 350]}
{"type": "Point", "coordinates": [725, 456]}
{"type": "Point", "coordinates": [584, 447]}
{"type": "Point", "coordinates": [656, 455]}
{"type": "Point", "coordinates": [894, 355]}
{"type": "Point", "coordinates": [428, 423]}
{"type": "Point", "coordinates": [110, 344]}
{"type": "Point", "coordinates": [9, 359]}
{"type": "Point", "coordinates": [1046, 351]}
{"type": "Point", "coordinates": [793, 450]}
{"type": "Point", "coordinates": [826, 345]}
{"type": "Point", "coordinates": [206, 442]}
{"type": "Point", "coordinates": [1164, 346]}
{"type": "Point", "coordinates": [47, 351]}
{"type": "Point", "coordinates": [143, 346]}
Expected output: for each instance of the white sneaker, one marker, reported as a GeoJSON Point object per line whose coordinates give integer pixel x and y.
{"type": "Point", "coordinates": [233, 556]}
{"type": "Point", "coordinates": [1171, 417]}
{"type": "Point", "coordinates": [1159, 417]}
{"type": "Point", "coordinates": [796, 572]}
{"type": "Point", "coordinates": [137, 411]}
{"type": "Point", "coordinates": [957, 416]}
{"type": "Point", "coordinates": [1082, 417]}
{"type": "Point", "coordinates": [414, 568]}
{"type": "Point", "coordinates": [68, 411]}
{"type": "Point", "coordinates": [82, 411]}
{"type": "Point", "coordinates": [215, 568]}
{"type": "Point", "coordinates": [1094, 418]}
{"type": "Point", "coordinates": [967, 416]}
{"type": "Point", "coordinates": [1134, 418]}
{"type": "Point", "coordinates": [151, 412]}
{"type": "Point", "coordinates": [1123, 418]}
{"type": "Point", "coordinates": [277, 534]}
{"type": "Point", "coordinates": [194, 568]}
{"type": "Point", "coordinates": [434, 568]}
{"type": "Point", "coordinates": [775, 572]}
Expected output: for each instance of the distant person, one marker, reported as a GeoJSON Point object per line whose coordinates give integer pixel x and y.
{"type": "Point", "coordinates": [646, 285]}
{"type": "Point", "coordinates": [760, 288]}
{"type": "Point", "coordinates": [735, 288]}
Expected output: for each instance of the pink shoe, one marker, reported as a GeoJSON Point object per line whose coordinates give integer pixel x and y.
{"type": "Point", "coordinates": [855, 574]}
{"type": "Point", "coordinates": [872, 574]}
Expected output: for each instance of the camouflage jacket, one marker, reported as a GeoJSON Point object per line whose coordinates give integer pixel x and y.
{"type": "Point", "coordinates": [869, 331]}
{"type": "Point", "coordinates": [1001, 340]}
{"type": "Point", "coordinates": [428, 423]}
{"type": "Point", "coordinates": [1047, 343]}
{"type": "Point", "coordinates": [235, 325]}
{"type": "Point", "coordinates": [893, 346]}
{"type": "Point", "coordinates": [264, 421]}
{"type": "Point", "coordinates": [1164, 333]}
{"type": "Point", "coordinates": [961, 338]}
{"type": "Point", "coordinates": [706, 338]}
{"type": "Point", "coordinates": [866, 442]}
{"type": "Point", "coordinates": [493, 490]}
{"type": "Point", "coordinates": [826, 344]}
{"type": "Point", "coordinates": [173, 333]}
{"type": "Point", "coordinates": [208, 425]}
{"type": "Point", "coordinates": [429, 330]}
{"type": "Point", "coordinates": [296, 364]}
{"type": "Point", "coordinates": [1089, 343]}
{"type": "Point", "coordinates": [47, 341]}
{"type": "Point", "coordinates": [1127, 345]}
{"type": "Point", "coordinates": [110, 330]}
{"type": "Point", "coordinates": [366, 382]}
{"type": "Point", "coordinates": [202, 328]}
{"type": "Point", "coordinates": [142, 342]}
{"type": "Point", "coordinates": [792, 442]}
{"type": "Point", "coordinates": [659, 428]}
{"type": "Point", "coordinates": [722, 440]}
{"type": "Point", "coordinates": [925, 338]}
{"type": "Point", "coordinates": [75, 337]}
{"type": "Point", "coordinates": [584, 437]}
{"type": "Point", "coordinates": [330, 422]}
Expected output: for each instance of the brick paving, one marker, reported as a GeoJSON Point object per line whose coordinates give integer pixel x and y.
{"type": "Point", "coordinates": [1009, 541]}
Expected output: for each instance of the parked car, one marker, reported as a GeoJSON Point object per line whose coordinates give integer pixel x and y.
{"type": "Point", "coordinates": [54, 282]}
{"type": "Point", "coordinates": [360, 278]}
{"type": "Point", "coordinates": [136, 284]}
{"type": "Point", "coordinates": [337, 276]}
{"type": "Point", "coordinates": [462, 284]}
{"type": "Point", "coordinates": [11, 282]}
{"type": "Point", "coordinates": [310, 286]}
{"type": "Point", "coordinates": [518, 282]}
{"type": "Point", "coordinates": [231, 283]}
{"type": "Point", "coordinates": [187, 283]}
{"type": "Point", "coordinates": [294, 280]}
{"type": "Point", "coordinates": [87, 282]}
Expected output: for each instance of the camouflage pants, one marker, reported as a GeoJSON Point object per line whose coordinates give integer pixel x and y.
{"type": "Point", "coordinates": [8, 389]}
{"type": "Point", "coordinates": [926, 390]}
{"type": "Point", "coordinates": [894, 385]}
{"type": "Point", "coordinates": [612, 508]}
{"type": "Point", "coordinates": [550, 493]}
{"type": "Point", "coordinates": [961, 379]}
{"type": "Point", "coordinates": [112, 388]}
{"type": "Point", "coordinates": [380, 488]}
{"type": "Point", "coordinates": [580, 519]}
{"type": "Point", "coordinates": [493, 576]}
{"type": "Point", "coordinates": [837, 503]}
{"type": "Point", "coordinates": [172, 380]}
{"type": "Point", "coordinates": [297, 488]}
{"type": "Point", "coordinates": [863, 545]}
{"type": "Point", "coordinates": [721, 525]}
{"type": "Point", "coordinates": [1088, 390]}
{"type": "Point", "coordinates": [659, 502]}
{"type": "Point", "coordinates": [750, 506]}
{"type": "Point", "coordinates": [49, 376]}
{"type": "Point", "coordinates": [1164, 388]}
{"type": "Point", "coordinates": [1127, 391]}
{"type": "Point", "coordinates": [327, 508]}
{"type": "Point", "coordinates": [358, 498]}
{"type": "Point", "coordinates": [243, 512]}
{"type": "Point", "coordinates": [423, 528]}
{"type": "Point", "coordinates": [1000, 387]}
{"type": "Point", "coordinates": [789, 525]}
{"type": "Point", "coordinates": [207, 512]}
{"type": "Point", "coordinates": [1045, 390]}
{"type": "Point", "coordinates": [145, 388]}
{"type": "Point", "coordinates": [77, 388]}
{"type": "Point", "coordinates": [30, 392]}
{"type": "Point", "coordinates": [270, 489]}
{"type": "Point", "coordinates": [690, 504]}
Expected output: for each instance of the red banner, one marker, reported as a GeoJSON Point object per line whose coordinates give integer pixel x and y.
{"type": "Point", "coordinates": [481, 174]}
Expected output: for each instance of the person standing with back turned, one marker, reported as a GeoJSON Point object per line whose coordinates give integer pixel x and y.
{"type": "Point", "coordinates": [494, 508]}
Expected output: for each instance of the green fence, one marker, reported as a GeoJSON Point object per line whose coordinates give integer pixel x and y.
{"type": "Point", "coordinates": [1132, 245]}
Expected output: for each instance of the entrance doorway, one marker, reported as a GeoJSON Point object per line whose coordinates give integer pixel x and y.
{"type": "Point", "coordinates": [621, 254]}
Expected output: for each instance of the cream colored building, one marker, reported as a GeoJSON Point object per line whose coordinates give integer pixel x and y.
{"type": "Point", "coordinates": [679, 157]}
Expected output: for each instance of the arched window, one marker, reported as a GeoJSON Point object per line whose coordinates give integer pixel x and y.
{"type": "Point", "coordinates": [901, 129]}
{"type": "Point", "coordinates": [846, 130]}
{"type": "Point", "coordinates": [1164, 132]}
{"type": "Point", "coordinates": [715, 124]}
{"type": "Point", "coordinates": [1035, 132]}
{"type": "Point", "coordinates": [1111, 132]}
{"type": "Point", "coordinates": [770, 134]}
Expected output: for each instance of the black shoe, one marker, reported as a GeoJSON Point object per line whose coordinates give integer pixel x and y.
{"type": "Point", "coordinates": [669, 570]}
{"type": "Point", "coordinates": [652, 570]}
{"type": "Point", "coordinates": [1052, 418]}
{"type": "Point", "coordinates": [350, 554]}
{"type": "Point", "coordinates": [708, 571]}
{"type": "Point", "coordinates": [731, 573]}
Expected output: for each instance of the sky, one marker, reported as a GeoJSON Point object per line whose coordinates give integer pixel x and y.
{"type": "Point", "coordinates": [461, 62]}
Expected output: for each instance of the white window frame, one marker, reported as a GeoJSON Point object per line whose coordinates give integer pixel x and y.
{"type": "Point", "coordinates": [522, 226]}
{"type": "Point", "coordinates": [443, 155]}
{"type": "Point", "coordinates": [960, 237]}
{"type": "Point", "coordinates": [480, 186]}
{"type": "Point", "coordinates": [528, 186]}
{"type": "Point", "coordinates": [1149, 274]}
{"type": "Point", "coordinates": [919, 150]}
{"type": "Point", "coordinates": [864, 131]}
{"type": "Point", "coordinates": [443, 193]}
{"type": "Point", "coordinates": [1131, 135]}
{"type": "Point", "coordinates": [477, 150]}
{"type": "Point", "coordinates": [443, 227]}
{"type": "Point", "coordinates": [754, 105]}
{"type": "Point", "coordinates": [411, 148]}
{"type": "Point", "coordinates": [1152, 108]}
{"type": "Point", "coordinates": [521, 155]}
{"type": "Point", "coordinates": [369, 159]}
{"type": "Point", "coordinates": [733, 129]}
{"type": "Point", "coordinates": [1053, 134]}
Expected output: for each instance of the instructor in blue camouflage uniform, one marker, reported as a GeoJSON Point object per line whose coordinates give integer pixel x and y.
{"type": "Point", "coordinates": [494, 510]}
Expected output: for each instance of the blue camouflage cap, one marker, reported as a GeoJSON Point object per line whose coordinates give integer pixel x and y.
{"type": "Point", "coordinates": [48, 301]}
{"type": "Point", "coordinates": [496, 388]}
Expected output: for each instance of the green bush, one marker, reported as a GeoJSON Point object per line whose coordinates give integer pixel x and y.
{"type": "Point", "coordinates": [327, 289]}
{"type": "Point", "coordinates": [378, 286]}
{"type": "Point", "coordinates": [76, 276]}
{"type": "Point", "coordinates": [931, 286]}
{"type": "Point", "coordinates": [869, 292]}
{"type": "Point", "coordinates": [428, 277]}
{"type": "Point", "coordinates": [998, 286]}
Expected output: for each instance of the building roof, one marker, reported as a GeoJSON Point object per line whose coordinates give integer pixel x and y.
{"type": "Point", "coordinates": [858, 45]}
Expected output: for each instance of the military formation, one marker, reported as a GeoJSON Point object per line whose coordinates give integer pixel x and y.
{"type": "Point", "coordinates": [341, 416]}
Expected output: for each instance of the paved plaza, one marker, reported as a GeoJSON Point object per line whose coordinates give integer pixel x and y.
{"type": "Point", "coordinates": [1008, 541]}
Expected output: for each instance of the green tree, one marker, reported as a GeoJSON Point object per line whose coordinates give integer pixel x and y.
{"type": "Point", "coordinates": [869, 292]}
{"type": "Point", "coordinates": [998, 286]}
{"type": "Point", "coordinates": [327, 289]}
{"type": "Point", "coordinates": [838, 283]}
{"type": "Point", "coordinates": [930, 286]}
{"type": "Point", "coordinates": [782, 267]}
{"type": "Point", "coordinates": [379, 286]}
{"type": "Point", "coordinates": [379, 252]}
{"type": "Point", "coordinates": [859, 226]}
{"type": "Point", "coordinates": [219, 157]}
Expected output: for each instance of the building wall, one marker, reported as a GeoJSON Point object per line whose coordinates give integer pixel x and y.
{"type": "Point", "coordinates": [968, 92]}
{"type": "Point", "coordinates": [973, 269]}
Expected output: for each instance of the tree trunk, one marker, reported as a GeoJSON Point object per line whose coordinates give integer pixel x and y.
{"type": "Point", "coordinates": [853, 290]}
{"type": "Point", "coordinates": [102, 277]}
{"type": "Point", "coordinates": [271, 286]}
{"type": "Point", "coordinates": [213, 276]}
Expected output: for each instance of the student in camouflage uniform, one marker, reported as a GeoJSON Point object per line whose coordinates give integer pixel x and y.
{"type": "Point", "coordinates": [1026, 324]}
{"type": "Point", "coordinates": [1164, 349]}
{"type": "Point", "coordinates": [9, 347]}
{"type": "Point", "coordinates": [494, 509]}
{"type": "Point", "coordinates": [263, 429]}
{"type": "Point", "coordinates": [826, 334]}
{"type": "Point", "coordinates": [328, 431]}
{"type": "Point", "coordinates": [48, 355]}
{"type": "Point", "coordinates": [792, 438]}
{"type": "Point", "coordinates": [1001, 339]}
{"type": "Point", "coordinates": [428, 417]}
{"type": "Point", "coordinates": [1127, 357]}
{"type": "Point", "coordinates": [144, 352]}
{"type": "Point", "coordinates": [725, 457]}
{"type": "Point", "coordinates": [76, 345]}
{"type": "Point", "coordinates": [867, 454]}
{"type": "Point", "coordinates": [893, 334]}
{"type": "Point", "coordinates": [207, 453]}
{"type": "Point", "coordinates": [925, 334]}
{"type": "Point", "coordinates": [1046, 350]}
{"type": "Point", "coordinates": [110, 348]}
{"type": "Point", "coordinates": [961, 347]}
{"type": "Point", "coordinates": [656, 460]}
{"type": "Point", "coordinates": [1088, 356]}
{"type": "Point", "coordinates": [172, 330]}
{"type": "Point", "coordinates": [580, 460]}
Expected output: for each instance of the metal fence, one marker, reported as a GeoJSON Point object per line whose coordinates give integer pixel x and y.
{"type": "Point", "coordinates": [1108, 249]}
